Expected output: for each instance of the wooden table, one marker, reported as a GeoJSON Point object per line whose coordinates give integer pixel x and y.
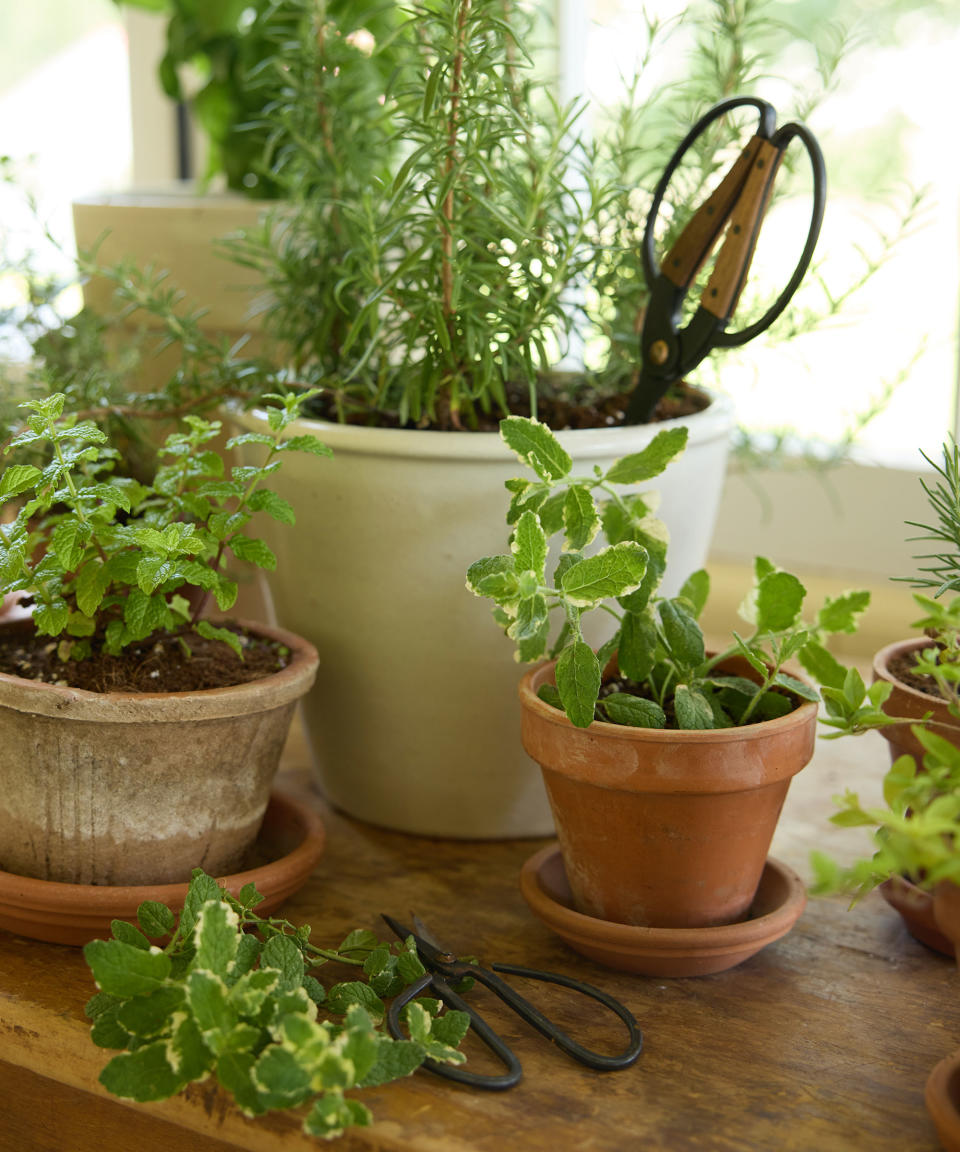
{"type": "Point", "coordinates": [821, 1042]}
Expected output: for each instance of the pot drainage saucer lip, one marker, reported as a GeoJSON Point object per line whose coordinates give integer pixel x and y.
{"type": "Point", "coordinates": [780, 899]}
{"type": "Point", "coordinates": [286, 851]}
{"type": "Point", "coordinates": [942, 1098]}
{"type": "Point", "coordinates": [916, 910]}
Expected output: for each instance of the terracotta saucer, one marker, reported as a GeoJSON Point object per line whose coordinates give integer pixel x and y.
{"type": "Point", "coordinates": [780, 899]}
{"type": "Point", "coordinates": [916, 909]}
{"type": "Point", "coordinates": [285, 853]}
{"type": "Point", "coordinates": [942, 1098]}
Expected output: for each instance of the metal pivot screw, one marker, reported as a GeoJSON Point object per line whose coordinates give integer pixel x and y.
{"type": "Point", "coordinates": [659, 352]}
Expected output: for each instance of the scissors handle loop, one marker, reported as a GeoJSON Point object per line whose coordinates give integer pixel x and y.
{"type": "Point", "coordinates": [737, 206]}
{"type": "Point", "coordinates": [526, 1011]}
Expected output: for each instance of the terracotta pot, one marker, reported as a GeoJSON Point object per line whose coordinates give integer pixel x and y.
{"type": "Point", "coordinates": [915, 906]}
{"type": "Point", "coordinates": [946, 911]}
{"type": "Point", "coordinates": [410, 510]}
{"type": "Point", "coordinates": [128, 788]}
{"type": "Point", "coordinates": [658, 828]}
{"type": "Point", "coordinates": [907, 701]}
{"type": "Point", "coordinates": [942, 1098]}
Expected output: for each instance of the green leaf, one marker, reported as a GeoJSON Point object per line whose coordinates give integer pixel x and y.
{"type": "Point", "coordinates": [123, 970]}
{"type": "Point", "coordinates": [681, 634]}
{"type": "Point", "coordinates": [549, 695]}
{"type": "Point", "coordinates": [210, 1003]}
{"type": "Point", "coordinates": [799, 687]}
{"type": "Point", "coordinates": [264, 500]}
{"type": "Point", "coordinates": [623, 708]}
{"type": "Point", "coordinates": [306, 443]}
{"type": "Point", "coordinates": [129, 935]}
{"type": "Point", "coordinates": [580, 519]}
{"type": "Point", "coordinates": [822, 665]}
{"type": "Point", "coordinates": [637, 650]}
{"type": "Point", "coordinates": [202, 888]}
{"type": "Point", "coordinates": [696, 590]}
{"type": "Point", "coordinates": [283, 954]}
{"type": "Point", "coordinates": [536, 446]}
{"type": "Point", "coordinates": [395, 1059]}
{"type": "Point", "coordinates": [51, 619]}
{"type": "Point", "coordinates": [93, 580]}
{"type": "Point", "coordinates": [612, 571]}
{"type": "Point", "coordinates": [69, 542]}
{"type": "Point", "coordinates": [651, 461]}
{"type": "Point", "coordinates": [529, 546]}
{"type": "Point", "coordinates": [17, 479]}
{"type": "Point", "coordinates": [692, 709]}
{"type": "Point", "coordinates": [341, 996]}
{"type": "Point", "coordinates": [107, 1032]}
{"type": "Point", "coordinates": [281, 1078]}
{"type": "Point", "coordinates": [253, 551]}
{"type": "Point", "coordinates": [225, 635]}
{"type": "Point", "coordinates": [331, 1114]}
{"type": "Point", "coordinates": [143, 1075]}
{"type": "Point", "coordinates": [215, 937]}
{"type": "Point", "coordinates": [842, 614]}
{"type": "Point", "coordinates": [779, 602]}
{"type": "Point", "coordinates": [479, 570]}
{"type": "Point", "coordinates": [578, 682]}
{"type": "Point", "coordinates": [235, 1073]}
{"type": "Point", "coordinates": [143, 614]}
{"type": "Point", "coordinates": [149, 1015]}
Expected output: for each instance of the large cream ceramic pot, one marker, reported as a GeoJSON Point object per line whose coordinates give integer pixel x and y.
{"type": "Point", "coordinates": [413, 718]}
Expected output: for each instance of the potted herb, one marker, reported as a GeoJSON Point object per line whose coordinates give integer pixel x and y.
{"type": "Point", "coordinates": [914, 704]}
{"type": "Point", "coordinates": [666, 765]}
{"type": "Point", "coordinates": [231, 995]}
{"type": "Point", "coordinates": [140, 739]}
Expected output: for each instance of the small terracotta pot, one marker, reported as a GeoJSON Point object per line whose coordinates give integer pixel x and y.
{"type": "Point", "coordinates": [140, 788]}
{"type": "Point", "coordinates": [946, 911]}
{"type": "Point", "coordinates": [907, 701]}
{"type": "Point", "coordinates": [664, 828]}
{"type": "Point", "coordinates": [942, 1098]}
{"type": "Point", "coordinates": [915, 906]}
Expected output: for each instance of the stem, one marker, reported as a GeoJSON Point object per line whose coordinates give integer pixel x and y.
{"type": "Point", "coordinates": [447, 212]}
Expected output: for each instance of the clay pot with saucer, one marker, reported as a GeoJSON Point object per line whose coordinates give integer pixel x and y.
{"type": "Point", "coordinates": [660, 828]}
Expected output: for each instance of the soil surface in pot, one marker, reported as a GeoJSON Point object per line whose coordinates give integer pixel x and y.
{"type": "Point", "coordinates": [156, 665]}
{"type": "Point", "coordinates": [903, 668]}
{"type": "Point", "coordinates": [573, 404]}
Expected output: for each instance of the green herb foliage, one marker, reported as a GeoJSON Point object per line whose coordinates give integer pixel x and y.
{"type": "Point", "coordinates": [231, 995]}
{"type": "Point", "coordinates": [106, 559]}
{"type": "Point", "coordinates": [657, 640]}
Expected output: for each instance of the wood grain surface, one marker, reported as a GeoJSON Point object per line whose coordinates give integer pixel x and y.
{"type": "Point", "coordinates": [821, 1043]}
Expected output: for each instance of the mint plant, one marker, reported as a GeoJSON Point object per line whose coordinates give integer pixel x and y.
{"type": "Point", "coordinates": [107, 560]}
{"type": "Point", "coordinates": [670, 679]}
{"type": "Point", "coordinates": [232, 995]}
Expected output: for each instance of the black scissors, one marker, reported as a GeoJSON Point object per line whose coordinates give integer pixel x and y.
{"type": "Point", "coordinates": [738, 205]}
{"type": "Point", "coordinates": [443, 966]}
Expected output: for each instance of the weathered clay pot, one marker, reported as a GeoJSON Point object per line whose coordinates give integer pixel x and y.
{"type": "Point", "coordinates": [127, 788]}
{"type": "Point", "coordinates": [660, 828]}
{"type": "Point", "coordinates": [907, 701]}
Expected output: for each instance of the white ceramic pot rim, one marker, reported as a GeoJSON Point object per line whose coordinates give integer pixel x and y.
{"type": "Point", "coordinates": [711, 423]}
{"type": "Point", "coordinates": [265, 694]}
{"type": "Point", "coordinates": [702, 738]}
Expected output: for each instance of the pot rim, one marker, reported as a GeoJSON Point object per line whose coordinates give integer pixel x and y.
{"type": "Point", "coordinates": [271, 691]}
{"type": "Point", "coordinates": [711, 423]}
{"type": "Point", "coordinates": [762, 729]}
